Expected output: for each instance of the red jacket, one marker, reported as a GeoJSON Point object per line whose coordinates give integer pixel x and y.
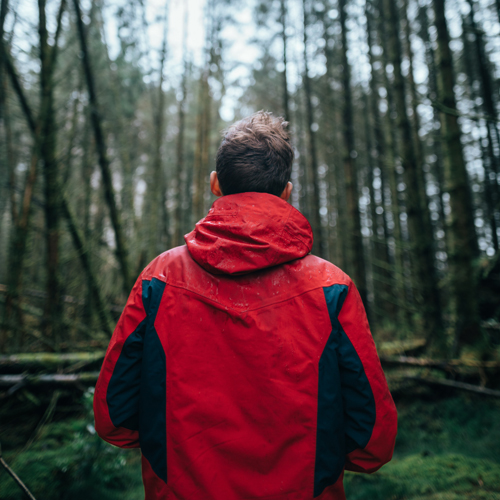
{"type": "Point", "coordinates": [243, 367]}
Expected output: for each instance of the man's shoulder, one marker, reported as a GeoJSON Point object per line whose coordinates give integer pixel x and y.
{"type": "Point", "coordinates": [313, 268]}
{"type": "Point", "coordinates": [178, 269]}
{"type": "Point", "coordinates": [162, 265]}
{"type": "Point", "coordinates": [320, 271]}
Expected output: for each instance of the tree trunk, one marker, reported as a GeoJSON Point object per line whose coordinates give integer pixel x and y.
{"type": "Point", "coordinates": [356, 262]}
{"type": "Point", "coordinates": [9, 157]}
{"type": "Point", "coordinates": [437, 168]}
{"type": "Point", "coordinates": [419, 150]}
{"type": "Point", "coordinates": [17, 248]}
{"type": "Point", "coordinates": [490, 186]}
{"type": "Point", "coordinates": [13, 315]}
{"type": "Point", "coordinates": [121, 249]}
{"type": "Point", "coordinates": [336, 205]}
{"type": "Point", "coordinates": [319, 241]}
{"type": "Point", "coordinates": [155, 193]}
{"type": "Point", "coordinates": [377, 259]}
{"type": "Point", "coordinates": [6, 167]}
{"type": "Point", "coordinates": [83, 253]}
{"type": "Point", "coordinates": [491, 119]}
{"type": "Point", "coordinates": [286, 110]}
{"type": "Point", "coordinates": [87, 169]}
{"type": "Point", "coordinates": [53, 312]}
{"type": "Point", "coordinates": [424, 275]}
{"type": "Point", "coordinates": [390, 285]}
{"type": "Point", "coordinates": [201, 155]}
{"type": "Point", "coordinates": [461, 233]}
{"type": "Point", "coordinates": [181, 176]}
{"type": "Point", "coordinates": [397, 208]}
{"type": "Point", "coordinates": [13, 319]}
{"type": "Point", "coordinates": [116, 115]}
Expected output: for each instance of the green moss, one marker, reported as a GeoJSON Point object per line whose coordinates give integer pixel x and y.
{"type": "Point", "coordinates": [70, 462]}
{"type": "Point", "coordinates": [416, 476]}
{"type": "Point", "coordinates": [447, 449]}
{"type": "Point", "coordinates": [467, 425]}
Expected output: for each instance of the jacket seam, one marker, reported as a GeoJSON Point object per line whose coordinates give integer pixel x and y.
{"type": "Point", "coordinates": [255, 308]}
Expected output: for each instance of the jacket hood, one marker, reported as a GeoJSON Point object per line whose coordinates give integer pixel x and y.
{"type": "Point", "coordinates": [249, 231]}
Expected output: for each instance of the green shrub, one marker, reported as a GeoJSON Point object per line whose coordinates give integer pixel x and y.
{"type": "Point", "coordinates": [70, 462]}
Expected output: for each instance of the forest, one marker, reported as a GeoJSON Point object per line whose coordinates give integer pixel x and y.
{"type": "Point", "coordinates": [111, 114]}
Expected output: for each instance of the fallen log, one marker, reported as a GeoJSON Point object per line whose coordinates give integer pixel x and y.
{"type": "Point", "coordinates": [445, 365]}
{"type": "Point", "coordinates": [90, 378]}
{"type": "Point", "coordinates": [54, 361]}
{"type": "Point", "coordinates": [50, 361]}
{"type": "Point", "coordinates": [455, 385]}
{"type": "Point", "coordinates": [60, 379]}
{"type": "Point", "coordinates": [402, 347]}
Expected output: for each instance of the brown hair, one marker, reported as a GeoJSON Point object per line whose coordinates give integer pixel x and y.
{"type": "Point", "coordinates": [255, 155]}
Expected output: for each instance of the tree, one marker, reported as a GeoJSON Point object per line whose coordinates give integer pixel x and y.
{"type": "Point", "coordinates": [462, 243]}
{"type": "Point", "coordinates": [319, 240]}
{"type": "Point", "coordinates": [48, 132]}
{"type": "Point", "coordinates": [121, 249]}
{"type": "Point", "coordinates": [356, 262]}
{"type": "Point", "coordinates": [424, 272]}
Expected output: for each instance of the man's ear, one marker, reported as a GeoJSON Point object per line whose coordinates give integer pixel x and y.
{"type": "Point", "coordinates": [214, 184]}
{"type": "Point", "coordinates": [286, 192]}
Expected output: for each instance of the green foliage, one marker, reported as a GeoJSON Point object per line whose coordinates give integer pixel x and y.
{"type": "Point", "coordinates": [420, 476]}
{"type": "Point", "coordinates": [445, 450]}
{"type": "Point", "coordinates": [467, 425]}
{"type": "Point", "coordinates": [71, 462]}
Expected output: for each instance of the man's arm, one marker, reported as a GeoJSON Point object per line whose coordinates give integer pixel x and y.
{"type": "Point", "coordinates": [116, 398]}
{"type": "Point", "coordinates": [369, 411]}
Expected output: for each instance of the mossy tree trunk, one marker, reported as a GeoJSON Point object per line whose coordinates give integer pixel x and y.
{"type": "Point", "coordinates": [201, 154]}
{"type": "Point", "coordinates": [48, 133]}
{"type": "Point", "coordinates": [319, 240]}
{"type": "Point", "coordinates": [490, 110]}
{"type": "Point", "coordinates": [421, 242]}
{"type": "Point", "coordinates": [337, 244]}
{"type": "Point", "coordinates": [356, 262]}
{"type": "Point", "coordinates": [109, 192]}
{"type": "Point", "coordinates": [390, 163]}
{"type": "Point", "coordinates": [389, 287]}
{"type": "Point", "coordinates": [156, 238]}
{"type": "Point", "coordinates": [490, 184]}
{"type": "Point", "coordinates": [462, 247]}
{"type": "Point", "coordinates": [180, 173]}
{"type": "Point", "coordinates": [437, 168]}
{"type": "Point", "coordinates": [286, 110]}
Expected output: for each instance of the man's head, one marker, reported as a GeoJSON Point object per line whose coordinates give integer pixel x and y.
{"type": "Point", "coordinates": [255, 155]}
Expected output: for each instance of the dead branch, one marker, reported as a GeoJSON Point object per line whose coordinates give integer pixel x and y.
{"type": "Point", "coordinates": [14, 476]}
{"type": "Point", "coordinates": [60, 379]}
{"type": "Point", "coordinates": [456, 385]}
{"type": "Point", "coordinates": [445, 365]}
{"type": "Point", "coordinates": [48, 360]}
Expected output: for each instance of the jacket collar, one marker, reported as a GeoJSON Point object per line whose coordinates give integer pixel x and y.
{"type": "Point", "coordinates": [249, 231]}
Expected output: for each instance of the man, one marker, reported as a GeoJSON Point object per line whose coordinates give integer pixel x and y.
{"type": "Point", "coordinates": [242, 366]}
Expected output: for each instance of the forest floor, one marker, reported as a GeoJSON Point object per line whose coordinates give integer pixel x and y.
{"type": "Point", "coordinates": [447, 449]}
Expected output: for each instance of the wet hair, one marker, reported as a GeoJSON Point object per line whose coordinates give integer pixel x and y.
{"type": "Point", "coordinates": [255, 155]}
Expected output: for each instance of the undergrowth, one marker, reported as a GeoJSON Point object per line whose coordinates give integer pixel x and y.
{"type": "Point", "coordinates": [447, 449]}
{"type": "Point", "coordinates": [70, 462]}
